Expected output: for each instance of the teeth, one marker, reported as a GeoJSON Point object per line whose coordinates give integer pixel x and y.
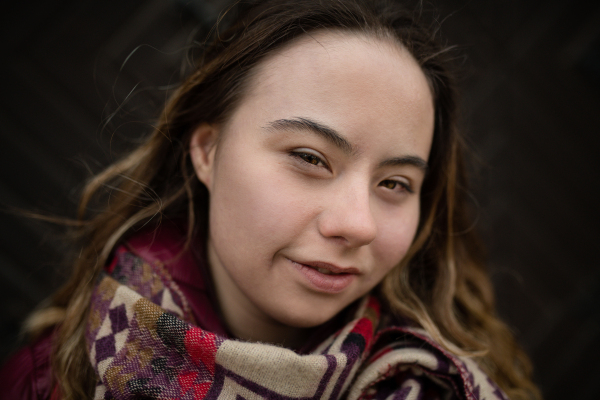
{"type": "Point", "coordinates": [324, 271]}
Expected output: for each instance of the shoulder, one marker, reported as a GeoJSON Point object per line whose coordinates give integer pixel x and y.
{"type": "Point", "coordinates": [28, 374]}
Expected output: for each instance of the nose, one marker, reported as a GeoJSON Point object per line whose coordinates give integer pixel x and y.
{"type": "Point", "coordinates": [348, 217]}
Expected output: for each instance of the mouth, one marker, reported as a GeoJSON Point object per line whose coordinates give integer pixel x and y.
{"type": "Point", "coordinates": [325, 271]}
{"type": "Point", "coordinates": [329, 269]}
{"type": "Point", "coordinates": [325, 277]}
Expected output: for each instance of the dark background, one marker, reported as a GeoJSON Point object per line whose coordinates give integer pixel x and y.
{"type": "Point", "coordinates": [531, 95]}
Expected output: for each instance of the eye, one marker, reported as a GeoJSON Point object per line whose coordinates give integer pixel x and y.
{"type": "Point", "coordinates": [309, 158]}
{"type": "Point", "coordinates": [397, 185]}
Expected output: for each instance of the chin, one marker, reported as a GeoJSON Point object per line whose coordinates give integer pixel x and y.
{"type": "Point", "coordinates": [309, 318]}
{"type": "Point", "coordinates": [300, 322]}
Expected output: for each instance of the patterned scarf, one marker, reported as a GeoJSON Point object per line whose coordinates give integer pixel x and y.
{"type": "Point", "coordinates": [143, 345]}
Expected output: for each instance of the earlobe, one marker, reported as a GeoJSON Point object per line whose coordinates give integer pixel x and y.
{"type": "Point", "coordinates": [203, 144]}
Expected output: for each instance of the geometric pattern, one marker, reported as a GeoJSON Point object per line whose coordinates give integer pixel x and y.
{"type": "Point", "coordinates": [142, 344]}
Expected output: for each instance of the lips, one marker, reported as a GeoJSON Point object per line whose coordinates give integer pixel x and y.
{"type": "Point", "coordinates": [326, 277]}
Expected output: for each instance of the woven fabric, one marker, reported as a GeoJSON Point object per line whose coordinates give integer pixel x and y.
{"type": "Point", "coordinates": [143, 345]}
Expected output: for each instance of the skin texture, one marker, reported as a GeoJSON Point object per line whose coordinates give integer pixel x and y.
{"type": "Point", "coordinates": [283, 195]}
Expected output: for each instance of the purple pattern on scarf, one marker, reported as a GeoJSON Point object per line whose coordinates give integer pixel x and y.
{"type": "Point", "coordinates": [262, 391]}
{"type": "Point", "coordinates": [164, 356]}
{"type": "Point", "coordinates": [353, 352]}
{"type": "Point", "coordinates": [118, 319]}
{"type": "Point", "coordinates": [105, 347]}
{"type": "Point", "coordinates": [402, 394]}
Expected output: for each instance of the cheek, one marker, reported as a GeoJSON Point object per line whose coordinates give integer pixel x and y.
{"type": "Point", "coordinates": [253, 207]}
{"type": "Point", "coordinates": [395, 238]}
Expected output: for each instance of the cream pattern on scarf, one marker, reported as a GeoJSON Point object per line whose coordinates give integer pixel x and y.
{"type": "Point", "coordinates": [143, 344]}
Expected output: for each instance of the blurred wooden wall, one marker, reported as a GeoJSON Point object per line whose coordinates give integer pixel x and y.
{"type": "Point", "coordinates": [531, 101]}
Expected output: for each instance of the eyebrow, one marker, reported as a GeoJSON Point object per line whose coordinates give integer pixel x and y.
{"type": "Point", "coordinates": [415, 161]}
{"type": "Point", "coordinates": [300, 123]}
{"type": "Point", "coordinates": [331, 135]}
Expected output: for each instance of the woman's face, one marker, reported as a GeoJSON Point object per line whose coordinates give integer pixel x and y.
{"type": "Point", "coordinates": [315, 180]}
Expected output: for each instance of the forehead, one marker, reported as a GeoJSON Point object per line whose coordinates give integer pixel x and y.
{"type": "Point", "coordinates": [351, 81]}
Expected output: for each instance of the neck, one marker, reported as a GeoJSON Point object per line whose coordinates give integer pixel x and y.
{"type": "Point", "coordinates": [243, 323]}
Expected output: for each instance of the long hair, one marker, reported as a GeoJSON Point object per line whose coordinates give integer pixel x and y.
{"type": "Point", "coordinates": [441, 284]}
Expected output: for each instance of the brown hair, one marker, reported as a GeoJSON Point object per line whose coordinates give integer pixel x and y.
{"type": "Point", "coordinates": [441, 284]}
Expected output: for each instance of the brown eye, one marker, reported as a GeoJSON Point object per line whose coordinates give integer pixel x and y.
{"type": "Point", "coordinates": [398, 186]}
{"type": "Point", "coordinates": [389, 184]}
{"type": "Point", "coordinates": [310, 158]}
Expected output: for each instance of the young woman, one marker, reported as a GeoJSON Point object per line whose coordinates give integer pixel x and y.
{"type": "Point", "coordinates": [295, 227]}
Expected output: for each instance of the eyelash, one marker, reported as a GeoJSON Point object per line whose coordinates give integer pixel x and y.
{"type": "Point", "coordinates": [304, 156]}
{"type": "Point", "coordinates": [403, 185]}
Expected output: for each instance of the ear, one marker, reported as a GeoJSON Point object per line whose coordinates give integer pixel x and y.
{"type": "Point", "coordinates": [203, 144]}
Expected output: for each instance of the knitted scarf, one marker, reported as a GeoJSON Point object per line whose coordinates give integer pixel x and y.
{"type": "Point", "coordinates": [143, 344]}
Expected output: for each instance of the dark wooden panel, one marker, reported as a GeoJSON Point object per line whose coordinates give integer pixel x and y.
{"type": "Point", "coordinates": [531, 108]}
